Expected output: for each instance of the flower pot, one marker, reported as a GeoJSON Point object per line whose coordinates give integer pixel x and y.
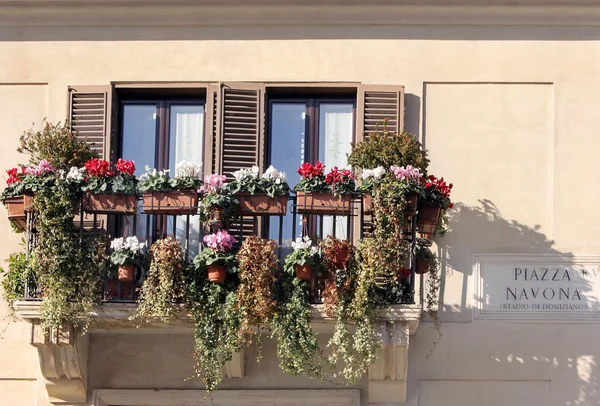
{"type": "Point", "coordinates": [411, 204]}
{"type": "Point", "coordinates": [323, 203]}
{"type": "Point", "coordinates": [341, 258]}
{"type": "Point", "coordinates": [303, 272]}
{"type": "Point", "coordinates": [112, 290]}
{"type": "Point", "coordinates": [429, 216]}
{"type": "Point", "coordinates": [261, 204]}
{"type": "Point", "coordinates": [102, 203]}
{"type": "Point", "coordinates": [217, 218]}
{"type": "Point", "coordinates": [174, 202]}
{"type": "Point", "coordinates": [422, 266]}
{"type": "Point", "coordinates": [367, 204]}
{"type": "Point", "coordinates": [217, 273]}
{"type": "Point", "coordinates": [126, 272]}
{"type": "Point", "coordinates": [16, 211]}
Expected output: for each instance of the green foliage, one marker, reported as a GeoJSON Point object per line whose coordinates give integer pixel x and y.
{"type": "Point", "coordinates": [119, 183]}
{"type": "Point", "coordinates": [30, 184]}
{"type": "Point", "coordinates": [57, 144]}
{"type": "Point", "coordinates": [159, 181]}
{"type": "Point", "coordinates": [70, 270]}
{"type": "Point", "coordinates": [387, 149]}
{"type": "Point", "coordinates": [213, 307]}
{"type": "Point", "coordinates": [226, 202]}
{"type": "Point", "coordinates": [164, 283]}
{"type": "Point", "coordinates": [209, 256]}
{"type": "Point", "coordinates": [316, 184]}
{"type": "Point", "coordinates": [14, 278]}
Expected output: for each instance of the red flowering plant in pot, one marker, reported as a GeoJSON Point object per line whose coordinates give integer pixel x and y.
{"type": "Point", "coordinates": [217, 257]}
{"type": "Point", "coordinates": [109, 191]}
{"type": "Point", "coordinates": [435, 201]}
{"type": "Point", "coordinates": [318, 193]}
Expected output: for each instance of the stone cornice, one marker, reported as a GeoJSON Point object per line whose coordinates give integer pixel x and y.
{"type": "Point", "coordinates": [327, 13]}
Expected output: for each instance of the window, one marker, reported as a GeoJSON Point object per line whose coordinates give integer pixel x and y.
{"type": "Point", "coordinates": [161, 133]}
{"type": "Point", "coordinates": [307, 130]}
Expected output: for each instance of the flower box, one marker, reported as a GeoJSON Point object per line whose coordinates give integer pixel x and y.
{"type": "Point", "coordinates": [17, 208]}
{"type": "Point", "coordinates": [261, 204]}
{"type": "Point", "coordinates": [102, 203]}
{"type": "Point", "coordinates": [174, 202]}
{"type": "Point", "coordinates": [429, 216]}
{"type": "Point", "coordinates": [323, 203]}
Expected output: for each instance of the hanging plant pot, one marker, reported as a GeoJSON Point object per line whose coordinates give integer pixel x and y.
{"type": "Point", "coordinates": [429, 216]}
{"type": "Point", "coordinates": [17, 214]}
{"type": "Point", "coordinates": [323, 203]}
{"type": "Point", "coordinates": [217, 273]}
{"type": "Point", "coordinates": [174, 202]}
{"type": "Point", "coordinates": [422, 266]}
{"type": "Point", "coordinates": [303, 272]}
{"type": "Point", "coordinates": [367, 204]}
{"type": "Point", "coordinates": [217, 218]}
{"type": "Point", "coordinates": [411, 204]}
{"type": "Point", "coordinates": [126, 272]}
{"type": "Point", "coordinates": [103, 203]}
{"type": "Point", "coordinates": [261, 204]}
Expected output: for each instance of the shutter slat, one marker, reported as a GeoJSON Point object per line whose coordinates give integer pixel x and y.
{"type": "Point", "coordinates": [88, 117]}
{"type": "Point", "coordinates": [377, 103]}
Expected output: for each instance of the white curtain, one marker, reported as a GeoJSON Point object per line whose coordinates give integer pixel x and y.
{"type": "Point", "coordinates": [335, 143]}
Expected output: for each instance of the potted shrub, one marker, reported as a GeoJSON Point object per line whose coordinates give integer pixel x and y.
{"type": "Point", "coordinates": [218, 206]}
{"type": "Point", "coordinates": [435, 199]}
{"type": "Point", "coordinates": [411, 182]}
{"type": "Point", "coordinates": [176, 196]}
{"type": "Point", "coordinates": [108, 191]}
{"type": "Point", "coordinates": [217, 257]}
{"type": "Point", "coordinates": [127, 254]}
{"type": "Point", "coordinates": [370, 178]}
{"type": "Point", "coordinates": [318, 193]}
{"type": "Point", "coordinates": [425, 260]}
{"type": "Point", "coordinates": [303, 258]}
{"type": "Point", "coordinates": [266, 195]}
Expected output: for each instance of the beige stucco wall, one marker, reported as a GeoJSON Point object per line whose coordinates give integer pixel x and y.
{"type": "Point", "coordinates": [509, 115]}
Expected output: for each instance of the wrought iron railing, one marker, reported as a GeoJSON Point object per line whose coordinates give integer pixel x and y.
{"type": "Point", "coordinates": [189, 230]}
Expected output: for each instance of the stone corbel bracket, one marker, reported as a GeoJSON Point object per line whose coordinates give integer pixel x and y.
{"type": "Point", "coordinates": [388, 374]}
{"type": "Point", "coordinates": [63, 356]}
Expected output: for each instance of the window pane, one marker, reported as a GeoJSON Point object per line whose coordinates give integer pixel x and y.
{"type": "Point", "coordinates": [139, 145]}
{"type": "Point", "coordinates": [335, 138]}
{"type": "Point", "coordinates": [288, 140]}
{"type": "Point", "coordinates": [186, 137]}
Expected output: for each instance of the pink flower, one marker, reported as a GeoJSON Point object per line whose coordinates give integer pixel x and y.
{"type": "Point", "coordinates": [42, 168]}
{"type": "Point", "coordinates": [214, 183]}
{"type": "Point", "coordinates": [409, 172]}
{"type": "Point", "coordinates": [220, 241]}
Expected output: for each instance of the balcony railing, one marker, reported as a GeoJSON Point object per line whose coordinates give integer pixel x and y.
{"type": "Point", "coordinates": [189, 230]}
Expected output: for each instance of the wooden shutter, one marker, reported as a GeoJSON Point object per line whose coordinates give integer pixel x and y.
{"type": "Point", "coordinates": [89, 115]}
{"type": "Point", "coordinates": [240, 137]}
{"type": "Point", "coordinates": [375, 104]}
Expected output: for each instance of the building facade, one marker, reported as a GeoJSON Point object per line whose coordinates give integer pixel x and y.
{"type": "Point", "coordinates": [502, 94]}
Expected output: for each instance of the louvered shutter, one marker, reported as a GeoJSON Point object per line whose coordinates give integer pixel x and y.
{"type": "Point", "coordinates": [90, 116]}
{"type": "Point", "coordinates": [375, 104]}
{"type": "Point", "coordinates": [240, 142]}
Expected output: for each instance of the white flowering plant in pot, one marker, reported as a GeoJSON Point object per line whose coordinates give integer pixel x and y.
{"type": "Point", "coordinates": [272, 182]}
{"type": "Point", "coordinates": [188, 176]}
{"type": "Point", "coordinates": [127, 253]}
{"type": "Point", "coordinates": [302, 260]}
{"type": "Point", "coordinates": [370, 178]}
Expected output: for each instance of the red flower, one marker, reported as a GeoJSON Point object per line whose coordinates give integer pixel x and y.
{"type": "Point", "coordinates": [306, 170]}
{"type": "Point", "coordinates": [403, 273]}
{"type": "Point", "coordinates": [124, 166]}
{"type": "Point", "coordinates": [98, 167]}
{"type": "Point", "coordinates": [13, 176]}
{"type": "Point", "coordinates": [318, 168]}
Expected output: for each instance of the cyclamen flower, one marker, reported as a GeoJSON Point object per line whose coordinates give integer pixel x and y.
{"type": "Point", "coordinates": [438, 184]}
{"type": "Point", "coordinates": [76, 174]}
{"type": "Point", "coordinates": [220, 241]}
{"type": "Point", "coordinates": [213, 183]}
{"type": "Point", "coordinates": [186, 169]}
{"type": "Point", "coordinates": [246, 173]}
{"type": "Point", "coordinates": [303, 244]}
{"type": "Point", "coordinates": [307, 170]}
{"type": "Point", "coordinates": [338, 176]}
{"type": "Point", "coordinates": [375, 174]}
{"type": "Point", "coordinates": [99, 168]}
{"type": "Point", "coordinates": [13, 176]}
{"type": "Point", "coordinates": [409, 173]}
{"type": "Point", "coordinates": [273, 174]}
{"type": "Point", "coordinates": [42, 168]}
{"type": "Point", "coordinates": [130, 243]}
{"type": "Point", "coordinates": [124, 166]}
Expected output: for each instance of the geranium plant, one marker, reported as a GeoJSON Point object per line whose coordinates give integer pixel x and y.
{"type": "Point", "coordinates": [127, 251]}
{"type": "Point", "coordinates": [272, 182]}
{"type": "Point", "coordinates": [102, 179]}
{"type": "Point", "coordinates": [187, 177]}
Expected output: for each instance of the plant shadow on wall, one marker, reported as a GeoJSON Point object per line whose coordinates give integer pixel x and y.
{"type": "Point", "coordinates": [566, 353]}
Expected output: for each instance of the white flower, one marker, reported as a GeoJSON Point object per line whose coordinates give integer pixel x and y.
{"type": "Point", "coordinates": [76, 174]}
{"type": "Point", "coordinates": [273, 174]}
{"type": "Point", "coordinates": [116, 244]}
{"type": "Point", "coordinates": [187, 169]}
{"type": "Point", "coordinates": [375, 174]}
{"type": "Point", "coordinates": [303, 243]}
{"type": "Point", "coordinates": [246, 174]}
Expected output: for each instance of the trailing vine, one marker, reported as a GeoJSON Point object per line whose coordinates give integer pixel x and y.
{"type": "Point", "coordinates": [164, 283]}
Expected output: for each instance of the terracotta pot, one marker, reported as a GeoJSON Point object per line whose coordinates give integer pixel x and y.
{"type": "Point", "coordinates": [101, 203]}
{"type": "Point", "coordinates": [323, 203]}
{"type": "Point", "coordinates": [217, 273]}
{"type": "Point", "coordinates": [341, 258]}
{"type": "Point", "coordinates": [429, 216]}
{"type": "Point", "coordinates": [126, 272]}
{"type": "Point", "coordinates": [261, 204]}
{"type": "Point", "coordinates": [16, 211]}
{"type": "Point", "coordinates": [422, 266]}
{"type": "Point", "coordinates": [367, 204]}
{"type": "Point", "coordinates": [112, 290]}
{"type": "Point", "coordinates": [217, 218]}
{"type": "Point", "coordinates": [411, 204]}
{"type": "Point", "coordinates": [174, 202]}
{"type": "Point", "coordinates": [303, 272]}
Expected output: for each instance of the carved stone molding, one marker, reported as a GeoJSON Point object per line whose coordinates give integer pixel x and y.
{"type": "Point", "coordinates": [389, 373]}
{"type": "Point", "coordinates": [63, 362]}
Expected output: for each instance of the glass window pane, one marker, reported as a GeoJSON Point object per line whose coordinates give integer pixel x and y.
{"type": "Point", "coordinates": [186, 140]}
{"type": "Point", "coordinates": [288, 141]}
{"type": "Point", "coordinates": [335, 138]}
{"type": "Point", "coordinates": [139, 144]}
